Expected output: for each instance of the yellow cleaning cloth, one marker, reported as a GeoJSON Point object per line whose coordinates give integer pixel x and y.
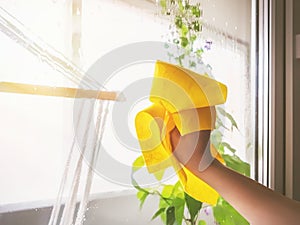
{"type": "Point", "coordinates": [186, 100]}
{"type": "Point", "coordinates": [177, 88]}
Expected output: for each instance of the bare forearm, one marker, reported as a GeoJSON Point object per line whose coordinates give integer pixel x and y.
{"type": "Point", "coordinates": [258, 204]}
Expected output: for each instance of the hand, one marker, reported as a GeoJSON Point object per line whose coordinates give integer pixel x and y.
{"type": "Point", "coordinates": [190, 148]}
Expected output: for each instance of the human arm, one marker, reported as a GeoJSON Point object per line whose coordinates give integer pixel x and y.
{"type": "Point", "coordinates": [257, 203]}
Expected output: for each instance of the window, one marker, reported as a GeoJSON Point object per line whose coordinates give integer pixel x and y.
{"type": "Point", "coordinates": [36, 132]}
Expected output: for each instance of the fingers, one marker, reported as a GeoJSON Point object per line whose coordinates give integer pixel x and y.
{"type": "Point", "coordinates": [190, 147]}
{"type": "Point", "coordinates": [175, 137]}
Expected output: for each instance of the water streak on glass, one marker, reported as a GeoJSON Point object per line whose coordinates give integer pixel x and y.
{"type": "Point", "coordinates": [17, 32]}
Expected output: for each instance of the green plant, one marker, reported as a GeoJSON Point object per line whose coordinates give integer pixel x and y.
{"type": "Point", "coordinates": [185, 28]}
{"type": "Point", "coordinates": [175, 206]}
{"type": "Point", "coordinates": [173, 200]}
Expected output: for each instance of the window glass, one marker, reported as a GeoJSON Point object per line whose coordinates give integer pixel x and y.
{"type": "Point", "coordinates": [36, 132]}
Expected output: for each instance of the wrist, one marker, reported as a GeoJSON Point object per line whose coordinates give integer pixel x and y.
{"type": "Point", "coordinates": [207, 172]}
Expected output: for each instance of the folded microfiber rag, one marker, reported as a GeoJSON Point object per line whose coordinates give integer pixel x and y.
{"type": "Point", "coordinates": [187, 100]}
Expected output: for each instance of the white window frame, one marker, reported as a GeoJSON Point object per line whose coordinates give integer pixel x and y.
{"type": "Point", "coordinates": [276, 155]}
